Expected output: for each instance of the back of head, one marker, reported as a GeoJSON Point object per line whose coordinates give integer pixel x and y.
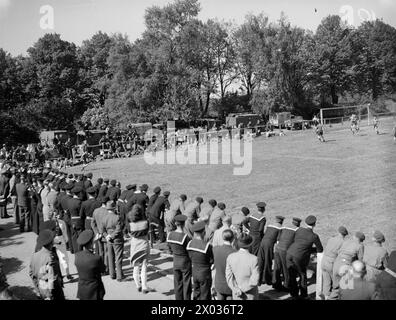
{"type": "Point", "coordinates": [359, 269]}
{"type": "Point", "coordinates": [228, 235]}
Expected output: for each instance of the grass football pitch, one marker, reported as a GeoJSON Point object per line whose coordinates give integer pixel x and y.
{"type": "Point", "coordinates": [349, 180]}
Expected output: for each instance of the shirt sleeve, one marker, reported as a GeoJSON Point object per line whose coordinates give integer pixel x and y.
{"type": "Point", "coordinates": [230, 276]}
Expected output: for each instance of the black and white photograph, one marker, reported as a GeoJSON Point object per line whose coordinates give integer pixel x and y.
{"type": "Point", "coordinates": [212, 152]}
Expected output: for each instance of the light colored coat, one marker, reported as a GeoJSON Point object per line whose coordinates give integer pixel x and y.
{"type": "Point", "coordinates": [242, 272]}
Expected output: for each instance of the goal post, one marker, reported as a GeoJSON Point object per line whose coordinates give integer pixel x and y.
{"type": "Point", "coordinates": [338, 114]}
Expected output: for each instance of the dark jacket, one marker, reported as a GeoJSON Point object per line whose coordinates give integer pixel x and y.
{"type": "Point", "coordinates": [87, 209]}
{"type": "Point", "coordinates": [220, 254]}
{"type": "Point", "coordinates": [89, 267]}
{"type": "Point", "coordinates": [22, 194]}
{"type": "Point", "coordinates": [303, 245]}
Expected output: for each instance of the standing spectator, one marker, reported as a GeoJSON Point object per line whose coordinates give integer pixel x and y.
{"type": "Point", "coordinates": [176, 208]}
{"type": "Point", "coordinates": [23, 205]}
{"type": "Point", "coordinates": [239, 222]}
{"type": "Point", "coordinates": [192, 213]}
{"type": "Point", "coordinates": [218, 234]}
{"type": "Point", "coordinates": [158, 212]}
{"type": "Point", "coordinates": [215, 220]}
{"type": "Point", "coordinates": [329, 255]}
{"type": "Point", "coordinates": [256, 223]}
{"type": "Point", "coordinates": [385, 282]}
{"type": "Point", "coordinates": [207, 210]}
{"type": "Point", "coordinates": [375, 256]}
{"type": "Point", "coordinates": [152, 199]}
{"type": "Point", "coordinates": [285, 239]}
{"type": "Point", "coordinates": [98, 218]}
{"type": "Point", "coordinates": [201, 255]}
{"type": "Point", "coordinates": [140, 248]}
{"type": "Point", "coordinates": [266, 251]}
{"type": "Point", "coordinates": [4, 193]}
{"type": "Point", "coordinates": [357, 287]}
{"type": "Point", "coordinates": [242, 272]}
{"type": "Point", "coordinates": [112, 232]}
{"type": "Point", "coordinates": [15, 209]}
{"type": "Point", "coordinates": [178, 241]}
{"type": "Point", "coordinates": [350, 251]}
{"type": "Point", "coordinates": [51, 199]}
{"type": "Point", "coordinates": [44, 193]}
{"type": "Point", "coordinates": [298, 256]}
{"type": "Point", "coordinates": [103, 189]}
{"type": "Point", "coordinates": [140, 197]}
{"type": "Point", "coordinates": [45, 270]}
{"type": "Point", "coordinates": [220, 254]}
{"type": "Point", "coordinates": [89, 267]}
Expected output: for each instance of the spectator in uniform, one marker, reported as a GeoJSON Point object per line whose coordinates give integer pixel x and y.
{"type": "Point", "coordinates": [375, 257]}
{"type": "Point", "coordinates": [177, 207]}
{"type": "Point", "coordinates": [329, 255]}
{"type": "Point", "coordinates": [351, 250]}
{"type": "Point", "coordinates": [266, 251]}
{"type": "Point", "coordinates": [23, 205]}
{"type": "Point", "coordinates": [215, 220]}
{"type": "Point", "coordinates": [178, 241]}
{"type": "Point", "coordinates": [89, 267]}
{"type": "Point", "coordinates": [201, 255]}
{"type": "Point", "coordinates": [256, 223]}
{"type": "Point", "coordinates": [192, 212]}
{"type": "Point", "coordinates": [285, 239]}
{"type": "Point", "coordinates": [385, 282]}
{"type": "Point", "coordinates": [298, 257]}
{"type": "Point", "coordinates": [218, 234]}
{"type": "Point", "coordinates": [220, 255]}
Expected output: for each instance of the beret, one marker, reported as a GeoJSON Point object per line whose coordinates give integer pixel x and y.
{"type": "Point", "coordinates": [360, 236]}
{"type": "Point", "coordinates": [180, 218]}
{"type": "Point", "coordinates": [91, 190]}
{"type": "Point", "coordinates": [342, 230]}
{"type": "Point", "coordinates": [212, 202]}
{"type": "Point", "coordinates": [261, 205]}
{"type": "Point", "coordinates": [378, 236]}
{"type": "Point", "coordinates": [199, 199]}
{"type": "Point", "coordinates": [157, 190]}
{"type": "Point", "coordinates": [166, 193]}
{"type": "Point", "coordinates": [221, 205]}
{"type": "Point", "coordinates": [45, 237]}
{"type": "Point", "coordinates": [113, 182]}
{"type": "Point", "coordinates": [76, 189]}
{"type": "Point", "coordinates": [183, 197]}
{"type": "Point", "coordinates": [85, 237]}
{"type": "Point", "coordinates": [199, 226]}
{"type": "Point", "coordinates": [129, 187]}
{"type": "Point", "coordinates": [310, 220]}
{"type": "Point", "coordinates": [245, 211]}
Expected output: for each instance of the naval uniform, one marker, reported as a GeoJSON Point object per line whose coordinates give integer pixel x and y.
{"type": "Point", "coordinates": [285, 239]}
{"type": "Point", "coordinates": [86, 211]}
{"type": "Point", "coordinates": [201, 256]}
{"type": "Point", "coordinates": [74, 207]}
{"type": "Point", "coordinates": [256, 223]}
{"type": "Point", "coordinates": [297, 259]}
{"type": "Point", "coordinates": [266, 252]}
{"type": "Point", "coordinates": [178, 242]}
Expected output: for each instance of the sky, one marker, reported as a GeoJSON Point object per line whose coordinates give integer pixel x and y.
{"type": "Point", "coordinates": [76, 20]}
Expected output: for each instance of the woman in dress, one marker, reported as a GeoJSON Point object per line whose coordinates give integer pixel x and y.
{"type": "Point", "coordinates": [140, 248]}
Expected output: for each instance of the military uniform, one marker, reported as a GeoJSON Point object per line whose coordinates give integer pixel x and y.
{"type": "Point", "coordinates": [201, 256]}
{"type": "Point", "coordinates": [256, 222]}
{"type": "Point", "coordinates": [74, 208]}
{"type": "Point", "coordinates": [329, 255]}
{"type": "Point", "coordinates": [86, 211]}
{"type": "Point", "coordinates": [375, 257]}
{"type": "Point", "coordinates": [266, 251]}
{"type": "Point", "coordinates": [100, 245]}
{"type": "Point", "coordinates": [285, 239]}
{"type": "Point", "coordinates": [178, 242]}
{"type": "Point", "coordinates": [298, 256]}
{"type": "Point", "coordinates": [102, 192]}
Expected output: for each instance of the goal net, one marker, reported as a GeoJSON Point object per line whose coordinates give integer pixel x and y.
{"type": "Point", "coordinates": [330, 116]}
